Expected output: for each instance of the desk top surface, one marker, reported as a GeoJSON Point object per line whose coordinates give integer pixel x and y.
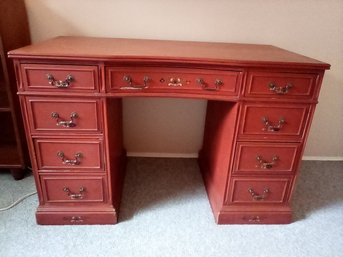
{"type": "Point", "coordinates": [91, 48]}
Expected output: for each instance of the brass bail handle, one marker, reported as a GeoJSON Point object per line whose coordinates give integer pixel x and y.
{"type": "Point", "coordinates": [280, 90]}
{"type": "Point", "coordinates": [60, 83]}
{"type": "Point", "coordinates": [263, 164]}
{"type": "Point", "coordinates": [75, 196]}
{"type": "Point", "coordinates": [65, 123]}
{"type": "Point", "coordinates": [131, 85]}
{"type": "Point", "coordinates": [258, 197]}
{"type": "Point", "coordinates": [273, 126]}
{"type": "Point", "coordinates": [217, 84]}
{"type": "Point", "coordinates": [76, 161]}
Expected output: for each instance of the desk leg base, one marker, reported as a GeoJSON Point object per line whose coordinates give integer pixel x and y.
{"type": "Point", "coordinates": [76, 218]}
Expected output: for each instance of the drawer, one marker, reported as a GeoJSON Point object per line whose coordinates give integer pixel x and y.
{"type": "Point", "coordinates": [266, 217]}
{"type": "Point", "coordinates": [73, 189]}
{"type": "Point", "coordinates": [60, 78]}
{"type": "Point", "coordinates": [75, 218]}
{"type": "Point", "coordinates": [64, 115]}
{"type": "Point", "coordinates": [280, 85]}
{"type": "Point", "coordinates": [273, 121]}
{"type": "Point", "coordinates": [260, 158]}
{"type": "Point", "coordinates": [164, 79]}
{"type": "Point", "coordinates": [69, 154]}
{"type": "Point", "coordinates": [258, 190]}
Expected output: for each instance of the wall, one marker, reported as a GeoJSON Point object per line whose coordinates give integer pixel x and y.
{"type": "Point", "coordinates": [309, 27]}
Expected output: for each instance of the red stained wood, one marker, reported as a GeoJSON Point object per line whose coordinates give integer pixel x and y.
{"type": "Point", "coordinates": [242, 121]}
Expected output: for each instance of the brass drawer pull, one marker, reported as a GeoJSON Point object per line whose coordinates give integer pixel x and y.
{"type": "Point", "coordinates": [130, 84]}
{"type": "Point", "coordinates": [175, 82]}
{"type": "Point", "coordinates": [76, 161]}
{"type": "Point", "coordinates": [263, 164]}
{"type": "Point", "coordinates": [280, 90]}
{"type": "Point", "coordinates": [74, 196]}
{"type": "Point", "coordinates": [60, 83]}
{"type": "Point", "coordinates": [258, 197]}
{"type": "Point", "coordinates": [65, 123]}
{"type": "Point", "coordinates": [217, 84]}
{"type": "Point", "coordinates": [272, 127]}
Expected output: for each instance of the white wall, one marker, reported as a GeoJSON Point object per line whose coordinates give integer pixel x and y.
{"type": "Point", "coordinates": [309, 27]}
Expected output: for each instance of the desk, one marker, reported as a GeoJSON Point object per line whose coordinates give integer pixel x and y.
{"type": "Point", "coordinates": [261, 101]}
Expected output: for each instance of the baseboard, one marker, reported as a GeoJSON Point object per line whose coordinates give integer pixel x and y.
{"type": "Point", "coordinates": [322, 158]}
{"type": "Point", "coordinates": [195, 155]}
{"type": "Point", "coordinates": [163, 155]}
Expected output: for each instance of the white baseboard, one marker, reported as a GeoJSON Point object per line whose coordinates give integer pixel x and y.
{"type": "Point", "coordinates": [195, 155]}
{"type": "Point", "coordinates": [322, 158]}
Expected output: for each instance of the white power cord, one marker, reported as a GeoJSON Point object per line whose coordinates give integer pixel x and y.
{"type": "Point", "coordinates": [18, 201]}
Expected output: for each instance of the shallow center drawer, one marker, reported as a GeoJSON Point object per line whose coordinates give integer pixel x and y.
{"type": "Point", "coordinates": [64, 115]}
{"type": "Point", "coordinates": [67, 154]}
{"type": "Point", "coordinates": [177, 79]}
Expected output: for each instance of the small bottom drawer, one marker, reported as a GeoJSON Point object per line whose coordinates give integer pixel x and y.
{"type": "Point", "coordinates": [76, 218]}
{"type": "Point", "coordinates": [255, 218]}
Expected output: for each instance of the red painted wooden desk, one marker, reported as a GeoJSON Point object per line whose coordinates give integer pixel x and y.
{"type": "Point", "coordinates": [261, 101]}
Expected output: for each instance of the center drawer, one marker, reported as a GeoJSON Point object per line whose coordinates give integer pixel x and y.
{"type": "Point", "coordinates": [67, 115]}
{"type": "Point", "coordinates": [69, 154]}
{"type": "Point", "coordinates": [148, 79]}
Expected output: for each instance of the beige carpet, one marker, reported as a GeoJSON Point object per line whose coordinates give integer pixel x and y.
{"type": "Point", "coordinates": [165, 212]}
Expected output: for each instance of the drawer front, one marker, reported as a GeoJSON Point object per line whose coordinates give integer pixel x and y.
{"type": "Point", "coordinates": [261, 190]}
{"type": "Point", "coordinates": [273, 121]}
{"type": "Point", "coordinates": [60, 78]}
{"type": "Point", "coordinates": [75, 218]}
{"type": "Point", "coordinates": [248, 217]}
{"type": "Point", "coordinates": [163, 79]}
{"type": "Point", "coordinates": [64, 115]}
{"type": "Point", "coordinates": [72, 189]}
{"type": "Point", "coordinates": [69, 154]}
{"type": "Point", "coordinates": [260, 158]}
{"type": "Point", "coordinates": [280, 85]}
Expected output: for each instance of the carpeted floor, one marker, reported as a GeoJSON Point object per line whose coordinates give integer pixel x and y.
{"type": "Point", "coordinates": [165, 212]}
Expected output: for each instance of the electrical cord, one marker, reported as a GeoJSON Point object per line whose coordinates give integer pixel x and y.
{"type": "Point", "coordinates": [18, 201]}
